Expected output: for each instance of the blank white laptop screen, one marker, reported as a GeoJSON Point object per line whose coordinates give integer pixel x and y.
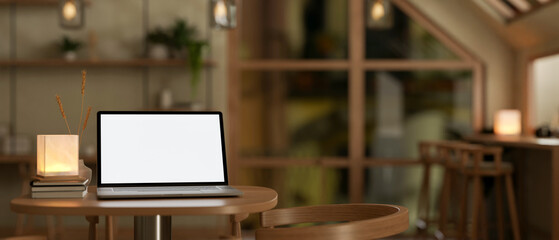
{"type": "Point", "coordinates": [161, 148]}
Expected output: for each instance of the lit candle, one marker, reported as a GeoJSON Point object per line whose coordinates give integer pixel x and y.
{"type": "Point", "coordinates": [57, 155]}
{"type": "Point", "coordinates": [507, 122]}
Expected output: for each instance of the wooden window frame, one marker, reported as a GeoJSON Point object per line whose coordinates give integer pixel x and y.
{"type": "Point", "coordinates": [356, 65]}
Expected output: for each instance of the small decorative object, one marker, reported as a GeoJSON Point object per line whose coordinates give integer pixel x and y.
{"type": "Point", "coordinates": [544, 131]}
{"type": "Point", "coordinates": [166, 99]}
{"type": "Point", "coordinates": [507, 122]}
{"type": "Point", "coordinates": [181, 38]}
{"type": "Point", "coordinates": [379, 14]}
{"type": "Point", "coordinates": [71, 13]}
{"type": "Point", "coordinates": [92, 46]}
{"type": "Point", "coordinates": [57, 155]}
{"type": "Point", "coordinates": [84, 171]}
{"type": "Point", "coordinates": [69, 48]}
{"type": "Point", "coordinates": [223, 14]}
{"type": "Point", "coordinates": [158, 41]}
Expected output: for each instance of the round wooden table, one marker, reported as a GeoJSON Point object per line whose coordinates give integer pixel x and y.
{"type": "Point", "coordinates": [253, 200]}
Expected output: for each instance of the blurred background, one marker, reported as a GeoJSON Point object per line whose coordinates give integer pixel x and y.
{"type": "Point", "coordinates": [322, 103]}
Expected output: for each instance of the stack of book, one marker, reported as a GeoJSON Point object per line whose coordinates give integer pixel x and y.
{"type": "Point", "coordinates": [59, 188]}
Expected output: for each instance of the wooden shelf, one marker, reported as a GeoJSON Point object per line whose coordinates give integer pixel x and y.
{"type": "Point", "coordinates": [99, 63]}
{"type": "Point", "coordinates": [35, 2]}
{"type": "Point", "coordinates": [33, 159]}
{"type": "Point", "coordinates": [30, 2]}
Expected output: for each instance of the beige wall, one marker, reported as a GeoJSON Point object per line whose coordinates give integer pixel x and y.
{"type": "Point", "coordinates": [118, 25]}
{"type": "Point", "coordinates": [546, 102]}
{"type": "Point", "coordinates": [463, 23]}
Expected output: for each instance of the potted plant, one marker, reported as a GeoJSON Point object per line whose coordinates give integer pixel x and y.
{"type": "Point", "coordinates": [181, 36]}
{"type": "Point", "coordinates": [195, 64]}
{"type": "Point", "coordinates": [183, 39]}
{"type": "Point", "coordinates": [69, 48]}
{"type": "Point", "coordinates": [158, 40]}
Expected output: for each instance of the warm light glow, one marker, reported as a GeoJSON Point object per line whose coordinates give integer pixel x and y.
{"type": "Point", "coordinates": [57, 155]}
{"type": "Point", "coordinates": [377, 11]}
{"type": "Point", "coordinates": [57, 168]}
{"type": "Point", "coordinates": [69, 11]}
{"type": "Point", "coordinates": [507, 122]}
{"type": "Point", "coordinates": [220, 13]}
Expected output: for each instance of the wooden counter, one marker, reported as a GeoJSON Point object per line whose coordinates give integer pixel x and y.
{"type": "Point", "coordinates": [538, 165]}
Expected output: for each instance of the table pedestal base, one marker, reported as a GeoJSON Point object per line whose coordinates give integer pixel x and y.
{"type": "Point", "coordinates": [152, 227]}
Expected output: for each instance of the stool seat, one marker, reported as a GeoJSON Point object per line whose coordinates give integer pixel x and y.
{"type": "Point", "coordinates": [505, 166]}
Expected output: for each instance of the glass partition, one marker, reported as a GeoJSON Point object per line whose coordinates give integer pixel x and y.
{"type": "Point", "coordinates": [397, 36]}
{"type": "Point", "coordinates": [294, 114]}
{"type": "Point", "coordinates": [294, 29]}
{"type": "Point", "coordinates": [405, 107]}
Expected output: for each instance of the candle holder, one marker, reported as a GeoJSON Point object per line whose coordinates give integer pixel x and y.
{"type": "Point", "coordinates": [507, 122]}
{"type": "Point", "coordinates": [57, 156]}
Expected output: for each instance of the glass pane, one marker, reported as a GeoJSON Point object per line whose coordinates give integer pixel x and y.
{"type": "Point", "coordinates": [397, 36]}
{"type": "Point", "coordinates": [401, 186]}
{"type": "Point", "coordinates": [405, 107]}
{"type": "Point", "coordinates": [294, 114]}
{"type": "Point", "coordinates": [321, 185]}
{"type": "Point", "coordinates": [289, 29]}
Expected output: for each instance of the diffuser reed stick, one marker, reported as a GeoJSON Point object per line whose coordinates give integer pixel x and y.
{"type": "Point", "coordinates": [59, 101]}
{"type": "Point", "coordinates": [85, 122]}
{"type": "Point", "coordinates": [83, 95]}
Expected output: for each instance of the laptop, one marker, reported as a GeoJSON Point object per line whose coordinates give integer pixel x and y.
{"type": "Point", "coordinates": [153, 154]}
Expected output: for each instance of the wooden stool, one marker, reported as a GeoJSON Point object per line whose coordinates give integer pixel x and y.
{"type": "Point", "coordinates": [443, 154]}
{"type": "Point", "coordinates": [429, 155]}
{"type": "Point", "coordinates": [473, 168]}
{"type": "Point", "coordinates": [450, 153]}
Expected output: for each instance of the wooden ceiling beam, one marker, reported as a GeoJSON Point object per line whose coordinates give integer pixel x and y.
{"type": "Point", "coordinates": [501, 8]}
{"type": "Point", "coordinates": [534, 9]}
{"type": "Point", "coordinates": [522, 5]}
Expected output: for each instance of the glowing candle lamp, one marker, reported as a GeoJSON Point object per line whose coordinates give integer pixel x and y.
{"type": "Point", "coordinates": [57, 155]}
{"type": "Point", "coordinates": [507, 122]}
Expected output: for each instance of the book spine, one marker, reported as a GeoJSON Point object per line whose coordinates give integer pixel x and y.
{"type": "Point", "coordinates": [59, 189]}
{"type": "Point", "coordinates": [76, 194]}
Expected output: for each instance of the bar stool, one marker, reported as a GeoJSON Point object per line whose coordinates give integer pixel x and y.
{"type": "Point", "coordinates": [473, 168]}
{"type": "Point", "coordinates": [430, 153]}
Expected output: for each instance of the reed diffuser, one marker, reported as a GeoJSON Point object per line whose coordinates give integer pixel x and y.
{"type": "Point", "coordinates": [80, 127]}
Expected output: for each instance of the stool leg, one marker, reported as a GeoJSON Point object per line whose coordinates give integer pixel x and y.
{"type": "Point", "coordinates": [477, 196]}
{"type": "Point", "coordinates": [20, 224]}
{"type": "Point", "coordinates": [51, 230]}
{"type": "Point", "coordinates": [424, 203]}
{"type": "Point", "coordinates": [512, 207]}
{"type": "Point", "coordinates": [443, 205]}
{"type": "Point", "coordinates": [499, 200]}
{"type": "Point", "coordinates": [463, 209]}
{"type": "Point", "coordinates": [109, 228]}
{"type": "Point", "coordinates": [483, 220]}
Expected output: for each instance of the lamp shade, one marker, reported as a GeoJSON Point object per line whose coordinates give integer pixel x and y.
{"type": "Point", "coordinates": [71, 13]}
{"type": "Point", "coordinates": [507, 122]}
{"type": "Point", "coordinates": [223, 14]}
{"type": "Point", "coordinates": [57, 155]}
